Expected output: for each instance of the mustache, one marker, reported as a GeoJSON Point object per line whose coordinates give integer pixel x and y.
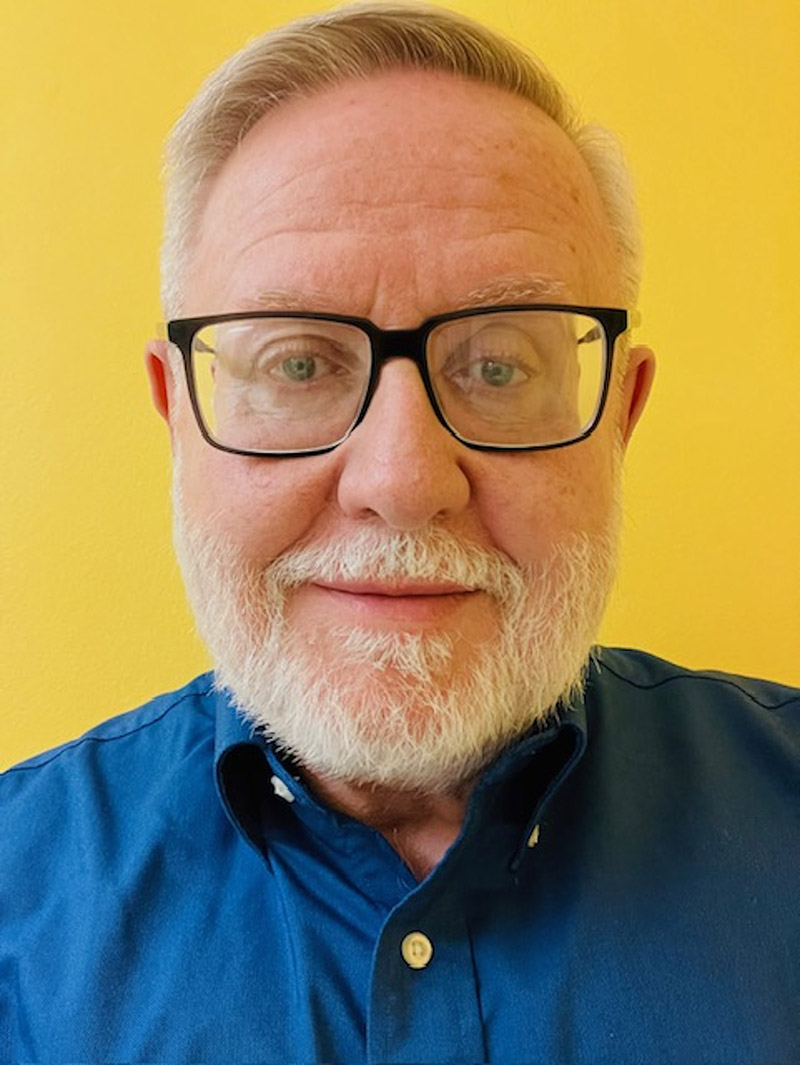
{"type": "Point", "coordinates": [432, 554]}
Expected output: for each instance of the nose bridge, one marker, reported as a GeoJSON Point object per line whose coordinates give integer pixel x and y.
{"type": "Point", "coordinates": [389, 345]}
{"type": "Point", "coordinates": [400, 413]}
{"type": "Point", "coordinates": [400, 463]}
{"type": "Point", "coordinates": [398, 344]}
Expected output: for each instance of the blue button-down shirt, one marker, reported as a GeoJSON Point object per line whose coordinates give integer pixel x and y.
{"type": "Point", "coordinates": [624, 890]}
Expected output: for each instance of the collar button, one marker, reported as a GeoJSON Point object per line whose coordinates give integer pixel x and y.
{"type": "Point", "coordinates": [281, 789]}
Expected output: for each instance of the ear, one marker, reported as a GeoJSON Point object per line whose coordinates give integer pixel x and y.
{"type": "Point", "coordinates": [636, 384]}
{"type": "Point", "coordinates": [159, 374]}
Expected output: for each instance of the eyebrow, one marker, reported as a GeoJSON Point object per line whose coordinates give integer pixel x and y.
{"type": "Point", "coordinates": [278, 299]}
{"type": "Point", "coordinates": [525, 288]}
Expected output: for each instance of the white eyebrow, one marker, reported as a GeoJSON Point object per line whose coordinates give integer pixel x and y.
{"type": "Point", "coordinates": [526, 288]}
{"type": "Point", "coordinates": [278, 299]}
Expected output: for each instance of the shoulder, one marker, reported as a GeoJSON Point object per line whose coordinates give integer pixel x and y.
{"type": "Point", "coordinates": [111, 771]}
{"type": "Point", "coordinates": [636, 671]}
{"type": "Point", "coordinates": [87, 821]}
{"type": "Point", "coordinates": [642, 708]}
{"type": "Point", "coordinates": [159, 715]}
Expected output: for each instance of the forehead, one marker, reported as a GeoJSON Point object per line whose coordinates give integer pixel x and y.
{"type": "Point", "coordinates": [415, 184]}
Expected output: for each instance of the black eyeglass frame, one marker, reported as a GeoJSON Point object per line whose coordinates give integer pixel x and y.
{"type": "Point", "coordinates": [386, 344]}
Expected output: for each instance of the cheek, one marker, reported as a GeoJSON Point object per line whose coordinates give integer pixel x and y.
{"type": "Point", "coordinates": [531, 503]}
{"type": "Point", "coordinates": [264, 506]}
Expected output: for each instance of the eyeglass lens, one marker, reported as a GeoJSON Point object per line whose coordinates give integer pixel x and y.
{"type": "Point", "coordinates": [512, 378]}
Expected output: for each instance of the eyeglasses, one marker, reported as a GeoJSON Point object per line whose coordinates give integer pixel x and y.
{"type": "Point", "coordinates": [509, 378]}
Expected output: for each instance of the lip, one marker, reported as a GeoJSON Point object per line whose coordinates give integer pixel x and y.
{"type": "Point", "coordinates": [395, 589]}
{"type": "Point", "coordinates": [415, 603]}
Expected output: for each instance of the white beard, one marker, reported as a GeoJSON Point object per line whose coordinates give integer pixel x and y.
{"type": "Point", "coordinates": [393, 708]}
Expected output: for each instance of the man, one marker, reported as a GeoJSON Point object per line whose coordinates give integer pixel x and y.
{"type": "Point", "coordinates": [412, 817]}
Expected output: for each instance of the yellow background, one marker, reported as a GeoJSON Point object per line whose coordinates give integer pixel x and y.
{"type": "Point", "coordinates": [705, 96]}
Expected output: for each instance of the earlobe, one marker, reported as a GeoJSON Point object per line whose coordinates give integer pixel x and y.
{"type": "Point", "coordinates": [158, 372]}
{"type": "Point", "coordinates": [636, 385]}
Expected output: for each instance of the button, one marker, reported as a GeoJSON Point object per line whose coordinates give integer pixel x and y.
{"type": "Point", "coordinates": [533, 838]}
{"type": "Point", "coordinates": [281, 789]}
{"type": "Point", "coordinates": [417, 950]}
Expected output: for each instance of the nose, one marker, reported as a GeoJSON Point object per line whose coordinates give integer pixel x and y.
{"type": "Point", "coordinates": [400, 464]}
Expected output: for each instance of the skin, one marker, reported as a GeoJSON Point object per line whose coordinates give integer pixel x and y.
{"type": "Point", "coordinates": [396, 199]}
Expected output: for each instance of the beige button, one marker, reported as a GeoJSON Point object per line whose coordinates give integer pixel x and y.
{"type": "Point", "coordinates": [533, 838]}
{"type": "Point", "coordinates": [417, 950]}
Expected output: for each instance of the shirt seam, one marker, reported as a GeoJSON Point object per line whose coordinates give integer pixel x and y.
{"type": "Point", "coordinates": [89, 738]}
{"type": "Point", "coordinates": [699, 675]}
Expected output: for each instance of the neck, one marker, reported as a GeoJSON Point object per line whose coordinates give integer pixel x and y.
{"type": "Point", "coordinates": [420, 826]}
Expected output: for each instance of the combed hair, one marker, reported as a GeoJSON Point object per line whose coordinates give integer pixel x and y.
{"type": "Point", "coordinates": [359, 41]}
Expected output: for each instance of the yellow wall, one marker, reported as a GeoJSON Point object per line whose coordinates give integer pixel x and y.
{"type": "Point", "coordinates": [705, 96]}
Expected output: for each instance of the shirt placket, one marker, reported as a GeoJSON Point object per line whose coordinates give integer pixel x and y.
{"type": "Point", "coordinates": [424, 1003]}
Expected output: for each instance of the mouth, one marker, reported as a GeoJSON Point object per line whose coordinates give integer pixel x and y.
{"type": "Point", "coordinates": [416, 602]}
{"type": "Point", "coordinates": [395, 589]}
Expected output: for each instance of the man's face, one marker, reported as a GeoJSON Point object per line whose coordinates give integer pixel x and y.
{"type": "Point", "coordinates": [396, 199]}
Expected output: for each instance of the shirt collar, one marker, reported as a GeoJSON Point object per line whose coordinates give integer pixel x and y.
{"type": "Point", "coordinates": [240, 768]}
{"type": "Point", "coordinates": [256, 788]}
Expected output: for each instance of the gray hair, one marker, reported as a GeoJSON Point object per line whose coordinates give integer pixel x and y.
{"type": "Point", "coordinates": [360, 41]}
